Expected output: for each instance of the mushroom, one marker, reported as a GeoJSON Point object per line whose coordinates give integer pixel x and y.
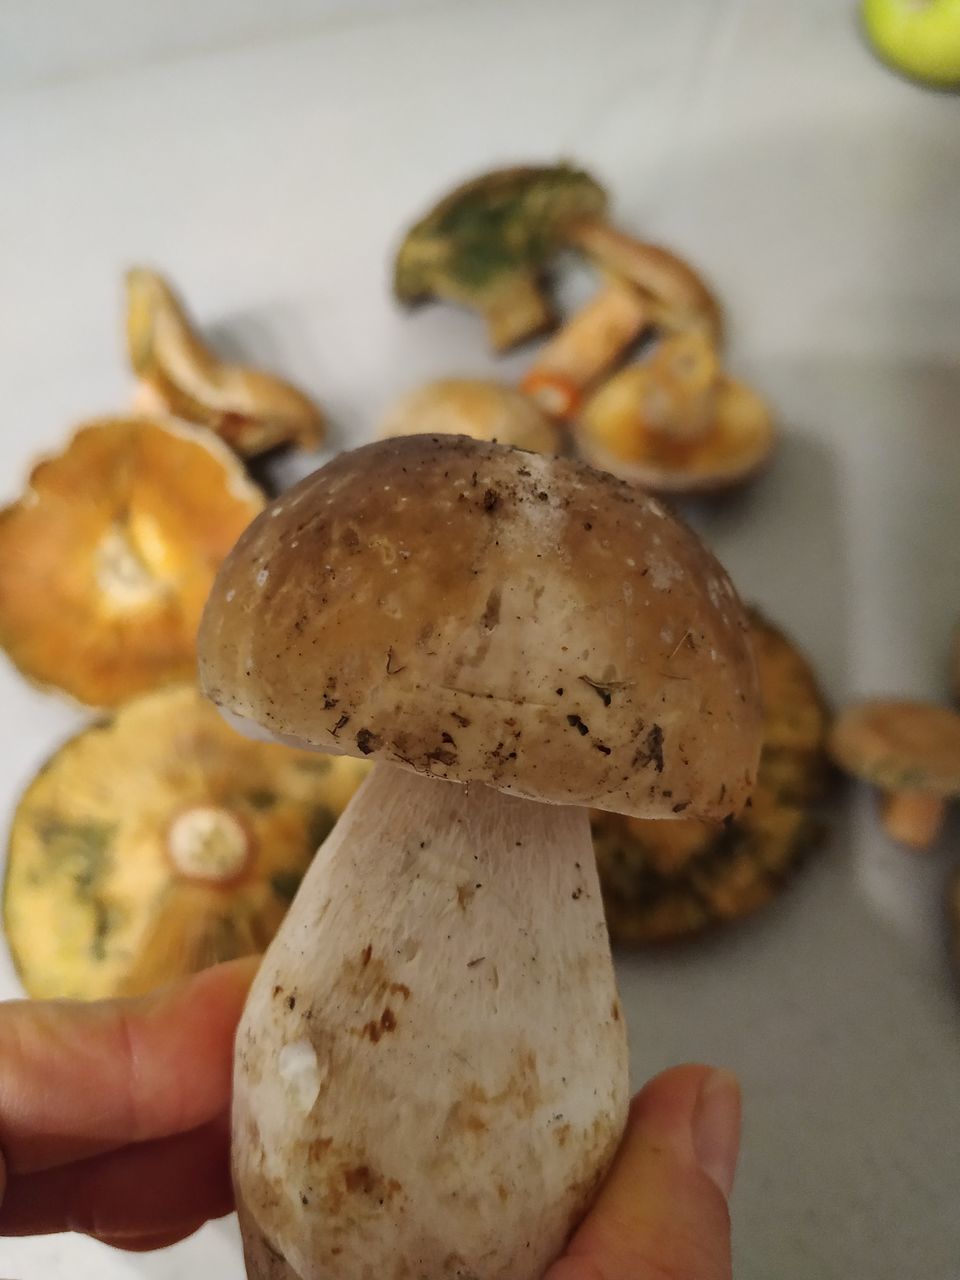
{"type": "Point", "coordinates": [251, 410]}
{"type": "Point", "coordinates": [107, 558]}
{"type": "Point", "coordinates": [472, 407]}
{"type": "Point", "coordinates": [663, 881]}
{"type": "Point", "coordinates": [431, 1072]}
{"type": "Point", "coordinates": [159, 842]}
{"type": "Point", "coordinates": [587, 346]}
{"type": "Point", "coordinates": [911, 751]}
{"type": "Point", "coordinates": [486, 244]}
{"type": "Point", "coordinates": [675, 423]}
{"type": "Point", "coordinates": [678, 297]}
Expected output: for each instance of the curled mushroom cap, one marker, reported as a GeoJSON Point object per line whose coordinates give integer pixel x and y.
{"type": "Point", "coordinates": [472, 407]}
{"type": "Point", "coordinates": [666, 880]}
{"type": "Point", "coordinates": [538, 625]}
{"type": "Point", "coordinates": [485, 245]}
{"type": "Point", "coordinates": [107, 558]}
{"type": "Point", "coordinates": [675, 423]}
{"type": "Point", "coordinates": [251, 410]}
{"type": "Point", "coordinates": [160, 842]}
{"type": "Point", "coordinates": [911, 751]}
{"type": "Point", "coordinates": [681, 298]}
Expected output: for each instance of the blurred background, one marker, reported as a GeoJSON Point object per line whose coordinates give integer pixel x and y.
{"type": "Point", "coordinates": [268, 159]}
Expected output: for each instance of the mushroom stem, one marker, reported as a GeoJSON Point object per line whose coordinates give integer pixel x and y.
{"type": "Point", "coordinates": [586, 347]}
{"type": "Point", "coordinates": [678, 296]}
{"type": "Point", "coordinates": [431, 1068]}
{"type": "Point", "coordinates": [913, 818]}
{"type": "Point", "coordinates": [516, 311]}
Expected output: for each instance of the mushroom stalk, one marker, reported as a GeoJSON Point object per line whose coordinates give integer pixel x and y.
{"type": "Point", "coordinates": [516, 311]}
{"type": "Point", "coordinates": [913, 818]}
{"type": "Point", "coordinates": [586, 347]}
{"type": "Point", "coordinates": [431, 1070]}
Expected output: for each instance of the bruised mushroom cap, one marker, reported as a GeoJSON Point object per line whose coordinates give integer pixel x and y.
{"type": "Point", "coordinates": [900, 746]}
{"type": "Point", "coordinates": [158, 842]}
{"type": "Point", "coordinates": [482, 614]}
{"type": "Point", "coordinates": [472, 407]}
{"type": "Point", "coordinates": [486, 242]}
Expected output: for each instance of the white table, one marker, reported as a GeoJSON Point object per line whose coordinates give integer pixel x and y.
{"type": "Point", "coordinates": [266, 156]}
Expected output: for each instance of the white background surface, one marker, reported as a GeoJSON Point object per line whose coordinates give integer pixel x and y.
{"type": "Point", "coordinates": [266, 157]}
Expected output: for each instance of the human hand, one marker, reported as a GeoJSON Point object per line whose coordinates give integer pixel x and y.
{"type": "Point", "coordinates": [114, 1122]}
{"type": "Point", "coordinates": [662, 1212]}
{"type": "Point", "coordinates": [114, 1117]}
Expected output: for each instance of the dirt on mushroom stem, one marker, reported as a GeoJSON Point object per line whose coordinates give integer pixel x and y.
{"type": "Point", "coordinates": [440, 1072]}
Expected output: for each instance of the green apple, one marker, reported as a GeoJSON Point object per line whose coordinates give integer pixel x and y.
{"type": "Point", "coordinates": [919, 37]}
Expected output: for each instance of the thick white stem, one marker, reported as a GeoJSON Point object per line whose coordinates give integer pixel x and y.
{"type": "Point", "coordinates": [431, 1071]}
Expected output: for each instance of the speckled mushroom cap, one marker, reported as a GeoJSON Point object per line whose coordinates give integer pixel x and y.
{"type": "Point", "coordinates": [900, 745]}
{"type": "Point", "coordinates": [479, 613]}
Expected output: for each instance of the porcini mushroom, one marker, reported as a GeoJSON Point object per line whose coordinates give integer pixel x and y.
{"type": "Point", "coordinates": [678, 296]}
{"type": "Point", "coordinates": [911, 751]}
{"type": "Point", "coordinates": [107, 558]}
{"type": "Point", "coordinates": [675, 423]}
{"type": "Point", "coordinates": [473, 407]}
{"type": "Point", "coordinates": [666, 880]}
{"type": "Point", "coordinates": [159, 842]}
{"type": "Point", "coordinates": [586, 346]}
{"type": "Point", "coordinates": [431, 1071]}
{"type": "Point", "coordinates": [251, 410]}
{"type": "Point", "coordinates": [486, 244]}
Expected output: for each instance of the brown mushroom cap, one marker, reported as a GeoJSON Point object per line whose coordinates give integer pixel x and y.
{"type": "Point", "coordinates": [481, 614]}
{"type": "Point", "coordinates": [473, 407]}
{"type": "Point", "coordinates": [900, 745]}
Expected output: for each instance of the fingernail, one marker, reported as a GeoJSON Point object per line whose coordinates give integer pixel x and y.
{"type": "Point", "coordinates": [716, 1128]}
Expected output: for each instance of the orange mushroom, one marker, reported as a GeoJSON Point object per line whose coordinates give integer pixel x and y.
{"type": "Point", "coordinates": [251, 410]}
{"type": "Point", "coordinates": [675, 422]}
{"type": "Point", "coordinates": [107, 558]}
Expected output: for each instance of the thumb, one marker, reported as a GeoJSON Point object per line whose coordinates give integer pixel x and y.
{"type": "Point", "coordinates": [662, 1212]}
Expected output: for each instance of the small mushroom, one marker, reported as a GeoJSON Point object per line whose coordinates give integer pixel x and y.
{"type": "Point", "coordinates": [486, 245]}
{"type": "Point", "coordinates": [911, 751]}
{"type": "Point", "coordinates": [675, 423]}
{"type": "Point", "coordinates": [678, 297]}
{"type": "Point", "coordinates": [251, 410]}
{"type": "Point", "coordinates": [490, 627]}
{"type": "Point", "coordinates": [666, 880]}
{"type": "Point", "coordinates": [588, 345]}
{"type": "Point", "coordinates": [472, 407]}
{"type": "Point", "coordinates": [157, 843]}
{"type": "Point", "coordinates": [107, 558]}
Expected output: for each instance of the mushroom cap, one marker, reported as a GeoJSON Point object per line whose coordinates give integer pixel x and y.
{"type": "Point", "coordinates": [101, 897]}
{"type": "Point", "coordinates": [251, 410]}
{"type": "Point", "coordinates": [478, 613]}
{"type": "Point", "coordinates": [617, 431]}
{"type": "Point", "coordinates": [667, 880]}
{"type": "Point", "coordinates": [474, 407]}
{"type": "Point", "coordinates": [900, 745]}
{"type": "Point", "coordinates": [107, 558]}
{"type": "Point", "coordinates": [503, 222]}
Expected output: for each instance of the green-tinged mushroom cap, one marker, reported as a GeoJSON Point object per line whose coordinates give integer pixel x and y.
{"type": "Point", "coordinates": [484, 245]}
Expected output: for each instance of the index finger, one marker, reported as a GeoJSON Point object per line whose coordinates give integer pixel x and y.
{"type": "Point", "coordinates": [80, 1079]}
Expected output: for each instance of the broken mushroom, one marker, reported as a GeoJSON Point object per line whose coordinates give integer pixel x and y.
{"type": "Point", "coordinates": [486, 245]}
{"type": "Point", "coordinates": [911, 752]}
{"type": "Point", "coordinates": [251, 410]}
{"type": "Point", "coordinates": [107, 558]}
{"type": "Point", "coordinates": [675, 423]}
{"type": "Point", "coordinates": [666, 880]}
{"type": "Point", "coordinates": [472, 407]}
{"type": "Point", "coordinates": [160, 842]}
{"type": "Point", "coordinates": [431, 1071]}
